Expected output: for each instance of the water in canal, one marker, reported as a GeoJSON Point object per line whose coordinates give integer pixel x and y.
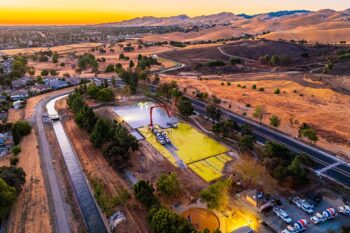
{"type": "Point", "coordinates": [87, 204]}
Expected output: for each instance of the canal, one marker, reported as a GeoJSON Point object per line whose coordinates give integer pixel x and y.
{"type": "Point", "coordinates": [88, 207]}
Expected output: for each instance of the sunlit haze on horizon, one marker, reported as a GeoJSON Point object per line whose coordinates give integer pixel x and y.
{"type": "Point", "coordinates": [27, 12]}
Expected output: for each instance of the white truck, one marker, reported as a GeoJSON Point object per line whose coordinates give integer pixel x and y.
{"type": "Point", "coordinates": [304, 205]}
{"type": "Point", "coordinates": [299, 226]}
{"type": "Point", "coordinates": [282, 214]}
{"type": "Point", "coordinates": [344, 210]}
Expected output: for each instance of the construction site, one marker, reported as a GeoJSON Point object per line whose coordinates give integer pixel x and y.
{"type": "Point", "coordinates": [179, 142]}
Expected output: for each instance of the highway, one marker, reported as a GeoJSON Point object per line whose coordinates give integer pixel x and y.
{"type": "Point", "coordinates": [325, 164]}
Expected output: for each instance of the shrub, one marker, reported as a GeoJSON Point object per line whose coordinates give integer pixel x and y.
{"type": "Point", "coordinates": [16, 150]}
{"type": "Point", "coordinates": [14, 160]}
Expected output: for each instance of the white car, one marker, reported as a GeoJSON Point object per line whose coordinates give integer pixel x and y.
{"type": "Point", "coordinates": [304, 205]}
{"type": "Point", "coordinates": [315, 220]}
{"type": "Point", "coordinates": [344, 210]}
{"type": "Point", "coordinates": [282, 214]}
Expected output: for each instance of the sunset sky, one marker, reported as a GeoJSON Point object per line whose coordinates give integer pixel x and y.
{"type": "Point", "coordinates": [98, 11]}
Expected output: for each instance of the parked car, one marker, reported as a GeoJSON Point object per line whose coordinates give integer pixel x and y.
{"type": "Point", "coordinates": [344, 210]}
{"type": "Point", "coordinates": [282, 214]}
{"type": "Point", "coordinates": [304, 205]}
{"type": "Point", "coordinates": [317, 218]}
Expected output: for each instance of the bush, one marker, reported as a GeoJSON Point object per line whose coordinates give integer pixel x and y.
{"type": "Point", "coordinates": [277, 91]}
{"type": "Point", "coordinates": [14, 160]}
{"type": "Point", "coordinates": [216, 63]}
{"type": "Point", "coordinates": [168, 185]}
{"type": "Point", "coordinates": [144, 193]}
{"type": "Point", "coordinates": [19, 130]}
{"type": "Point", "coordinates": [16, 150]}
{"type": "Point", "coordinates": [254, 86]}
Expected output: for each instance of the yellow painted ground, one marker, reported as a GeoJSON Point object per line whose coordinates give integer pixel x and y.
{"type": "Point", "coordinates": [193, 145]}
{"type": "Point", "coordinates": [202, 154]}
{"type": "Point", "coordinates": [210, 169]}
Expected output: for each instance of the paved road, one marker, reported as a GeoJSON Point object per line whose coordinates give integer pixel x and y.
{"type": "Point", "coordinates": [61, 222]}
{"type": "Point", "coordinates": [326, 164]}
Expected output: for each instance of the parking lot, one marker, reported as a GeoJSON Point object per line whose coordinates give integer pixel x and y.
{"type": "Point", "coordinates": [330, 199]}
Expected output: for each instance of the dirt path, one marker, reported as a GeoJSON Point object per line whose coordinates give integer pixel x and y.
{"type": "Point", "coordinates": [31, 211]}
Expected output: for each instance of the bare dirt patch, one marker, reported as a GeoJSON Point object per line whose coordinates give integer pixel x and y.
{"type": "Point", "coordinates": [326, 109]}
{"type": "Point", "coordinates": [31, 211]}
{"type": "Point", "coordinates": [15, 115]}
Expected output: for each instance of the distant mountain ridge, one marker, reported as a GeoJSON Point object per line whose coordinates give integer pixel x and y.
{"type": "Point", "coordinates": [184, 20]}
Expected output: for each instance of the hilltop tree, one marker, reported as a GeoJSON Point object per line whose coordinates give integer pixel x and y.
{"type": "Point", "coordinates": [259, 112]}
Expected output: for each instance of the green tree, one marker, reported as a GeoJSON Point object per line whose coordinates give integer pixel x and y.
{"type": "Point", "coordinates": [216, 195]}
{"type": "Point", "coordinates": [55, 57]}
{"type": "Point", "coordinates": [185, 107]}
{"type": "Point", "coordinates": [144, 194]}
{"type": "Point", "coordinates": [109, 68]}
{"type": "Point", "coordinates": [275, 121]}
{"type": "Point", "coordinates": [131, 64]}
{"type": "Point", "coordinates": [235, 60]}
{"type": "Point", "coordinates": [86, 118]}
{"type": "Point", "coordinates": [105, 95]}
{"type": "Point", "coordinates": [168, 185]}
{"type": "Point", "coordinates": [19, 130]}
{"type": "Point", "coordinates": [53, 72]}
{"type": "Point", "coordinates": [213, 113]}
{"type": "Point", "coordinates": [44, 72]}
{"type": "Point", "coordinates": [162, 220]}
{"type": "Point", "coordinates": [13, 176]}
{"type": "Point", "coordinates": [16, 150]}
{"type": "Point", "coordinates": [246, 143]}
{"type": "Point", "coordinates": [307, 131]}
{"type": "Point", "coordinates": [101, 133]}
{"type": "Point", "coordinates": [277, 91]}
{"type": "Point", "coordinates": [259, 112]}
{"type": "Point", "coordinates": [7, 197]}
{"type": "Point", "coordinates": [225, 128]}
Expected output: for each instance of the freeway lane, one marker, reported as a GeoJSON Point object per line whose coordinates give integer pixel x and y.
{"type": "Point", "coordinates": [323, 159]}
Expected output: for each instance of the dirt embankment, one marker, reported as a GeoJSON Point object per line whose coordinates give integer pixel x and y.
{"type": "Point", "coordinates": [31, 211]}
{"type": "Point", "coordinates": [320, 106]}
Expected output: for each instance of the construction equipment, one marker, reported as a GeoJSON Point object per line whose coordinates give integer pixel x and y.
{"type": "Point", "coordinates": [299, 226]}
{"type": "Point", "coordinates": [163, 106]}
